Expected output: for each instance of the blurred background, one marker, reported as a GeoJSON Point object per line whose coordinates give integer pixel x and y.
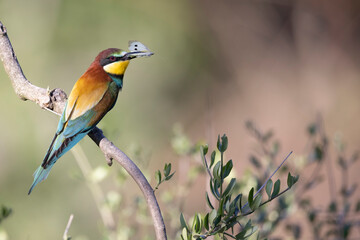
{"type": "Point", "coordinates": [217, 64]}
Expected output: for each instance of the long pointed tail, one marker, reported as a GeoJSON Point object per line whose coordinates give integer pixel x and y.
{"type": "Point", "coordinates": [39, 175]}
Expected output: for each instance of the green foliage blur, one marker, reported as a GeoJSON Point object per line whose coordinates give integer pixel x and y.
{"type": "Point", "coordinates": [228, 219]}
{"type": "Point", "coordinates": [293, 215]}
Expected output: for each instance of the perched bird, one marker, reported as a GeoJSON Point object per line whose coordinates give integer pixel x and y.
{"type": "Point", "coordinates": [92, 96]}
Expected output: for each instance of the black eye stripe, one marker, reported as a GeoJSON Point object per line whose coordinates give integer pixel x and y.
{"type": "Point", "coordinates": [110, 59]}
{"type": "Point", "coordinates": [114, 59]}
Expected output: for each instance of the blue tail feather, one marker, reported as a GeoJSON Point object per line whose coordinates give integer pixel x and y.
{"type": "Point", "coordinates": [39, 175]}
{"type": "Point", "coordinates": [58, 148]}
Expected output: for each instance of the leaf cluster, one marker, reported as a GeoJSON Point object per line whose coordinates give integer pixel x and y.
{"type": "Point", "coordinates": [336, 219]}
{"type": "Point", "coordinates": [227, 215]}
{"type": "Point", "coordinates": [165, 176]}
{"type": "Point", "coordinates": [337, 216]}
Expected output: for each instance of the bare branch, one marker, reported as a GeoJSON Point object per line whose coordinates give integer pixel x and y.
{"type": "Point", "coordinates": [98, 194]}
{"type": "Point", "coordinates": [54, 101]}
{"type": "Point", "coordinates": [65, 236]}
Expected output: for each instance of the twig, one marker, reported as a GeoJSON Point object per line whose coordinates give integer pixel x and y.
{"type": "Point", "coordinates": [329, 167]}
{"type": "Point", "coordinates": [258, 191]}
{"type": "Point", "coordinates": [55, 100]}
{"type": "Point", "coordinates": [65, 236]}
{"type": "Point", "coordinates": [272, 174]}
{"type": "Point", "coordinates": [206, 164]}
{"type": "Point", "coordinates": [263, 203]}
{"type": "Point", "coordinates": [95, 189]}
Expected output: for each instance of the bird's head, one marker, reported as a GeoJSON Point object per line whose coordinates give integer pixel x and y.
{"type": "Point", "coordinates": [114, 61]}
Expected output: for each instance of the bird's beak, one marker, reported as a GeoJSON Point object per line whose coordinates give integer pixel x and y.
{"type": "Point", "coordinates": [136, 54]}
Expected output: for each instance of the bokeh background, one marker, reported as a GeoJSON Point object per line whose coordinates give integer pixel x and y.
{"type": "Point", "coordinates": [217, 64]}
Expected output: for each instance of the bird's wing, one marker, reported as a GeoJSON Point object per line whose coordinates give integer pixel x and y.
{"type": "Point", "coordinates": [81, 114]}
{"type": "Point", "coordinates": [85, 94]}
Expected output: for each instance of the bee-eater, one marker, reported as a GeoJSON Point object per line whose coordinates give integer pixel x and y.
{"type": "Point", "coordinates": [92, 96]}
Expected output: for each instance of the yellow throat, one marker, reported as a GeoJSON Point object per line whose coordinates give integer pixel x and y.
{"type": "Point", "coordinates": [116, 68]}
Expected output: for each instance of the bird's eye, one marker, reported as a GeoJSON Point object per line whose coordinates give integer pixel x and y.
{"type": "Point", "coordinates": [112, 58]}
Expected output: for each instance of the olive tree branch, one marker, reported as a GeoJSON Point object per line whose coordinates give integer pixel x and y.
{"type": "Point", "coordinates": [54, 101]}
{"type": "Point", "coordinates": [65, 236]}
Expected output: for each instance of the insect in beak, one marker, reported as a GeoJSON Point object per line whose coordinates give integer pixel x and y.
{"type": "Point", "coordinates": [137, 49]}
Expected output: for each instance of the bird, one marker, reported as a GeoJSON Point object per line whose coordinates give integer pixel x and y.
{"type": "Point", "coordinates": [93, 95]}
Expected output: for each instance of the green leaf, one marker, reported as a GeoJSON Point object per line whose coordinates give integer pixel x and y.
{"type": "Point", "coordinates": [216, 171]}
{"type": "Point", "coordinates": [213, 155]}
{"type": "Point", "coordinates": [227, 169]}
{"type": "Point", "coordinates": [203, 153]}
{"type": "Point", "coordinates": [197, 224]}
{"type": "Point", "coordinates": [256, 203]}
{"type": "Point", "coordinates": [5, 212]}
{"type": "Point", "coordinates": [212, 216]}
{"type": "Point", "coordinates": [206, 221]}
{"type": "Point", "coordinates": [318, 153]}
{"type": "Point", "coordinates": [291, 180]}
{"type": "Point", "coordinates": [247, 231]}
{"type": "Point", "coordinates": [227, 204]}
{"type": "Point", "coordinates": [214, 188]}
{"type": "Point", "coordinates": [312, 129]}
{"type": "Point", "coordinates": [217, 220]}
{"type": "Point", "coordinates": [169, 177]}
{"type": "Point", "coordinates": [217, 184]}
{"type": "Point", "coordinates": [240, 201]}
{"type": "Point", "coordinates": [312, 216]}
{"type": "Point", "coordinates": [332, 207]}
{"type": "Point", "coordinates": [346, 230]}
{"type": "Point", "coordinates": [296, 178]}
{"type": "Point", "coordinates": [268, 187]}
{"type": "Point", "coordinates": [230, 187]}
{"type": "Point", "coordinates": [218, 230]}
{"type": "Point", "coordinates": [276, 189]}
{"type": "Point", "coordinates": [223, 144]}
{"type": "Point", "coordinates": [234, 208]}
{"type": "Point", "coordinates": [208, 201]}
{"type": "Point", "coordinates": [184, 234]}
{"type": "Point", "coordinates": [255, 161]}
{"type": "Point", "coordinates": [251, 196]}
{"type": "Point", "coordinates": [167, 169]}
{"type": "Point", "coordinates": [183, 223]}
{"type": "Point", "coordinates": [221, 207]}
{"type": "Point", "coordinates": [204, 149]}
{"type": "Point", "coordinates": [158, 176]}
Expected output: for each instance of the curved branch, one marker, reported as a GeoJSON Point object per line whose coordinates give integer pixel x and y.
{"type": "Point", "coordinates": [54, 101]}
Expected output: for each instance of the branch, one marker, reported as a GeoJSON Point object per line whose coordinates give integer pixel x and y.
{"type": "Point", "coordinates": [65, 236]}
{"type": "Point", "coordinates": [54, 101]}
{"type": "Point", "coordinates": [95, 189]}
